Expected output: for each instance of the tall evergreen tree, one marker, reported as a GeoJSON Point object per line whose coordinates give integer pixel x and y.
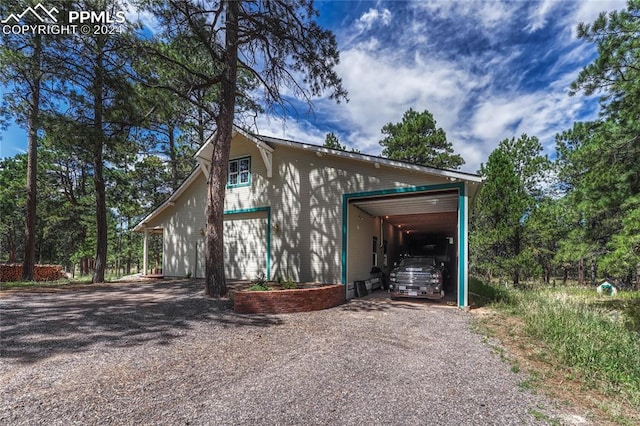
{"type": "Point", "coordinates": [417, 140]}
{"type": "Point", "coordinates": [599, 160]}
{"type": "Point", "coordinates": [514, 172]}
{"type": "Point", "coordinates": [23, 71]}
{"type": "Point", "coordinates": [332, 141]}
{"type": "Point", "coordinates": [95, 86]}
{"type": "Point", "coordinates": [270, 42]}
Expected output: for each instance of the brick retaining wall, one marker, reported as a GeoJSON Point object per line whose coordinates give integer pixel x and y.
{"type": "Point", "coordinates": [288, 301]}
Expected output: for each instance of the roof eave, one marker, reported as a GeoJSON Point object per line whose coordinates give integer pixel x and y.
{"type": "Point", "coordinates": [450, 174]}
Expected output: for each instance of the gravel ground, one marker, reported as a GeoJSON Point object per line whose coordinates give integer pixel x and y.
{"type": "Point", "coordinates": [163, 353]}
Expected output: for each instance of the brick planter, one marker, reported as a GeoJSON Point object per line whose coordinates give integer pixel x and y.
{"type": "Point", "coordinates": [287, 301]}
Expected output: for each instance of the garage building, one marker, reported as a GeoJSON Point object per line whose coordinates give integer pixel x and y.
{"type": "Point", "coordinates": [315, 214]}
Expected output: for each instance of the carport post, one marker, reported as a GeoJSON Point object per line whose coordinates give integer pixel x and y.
{"type": "Point", "coordinates": [145, 252]}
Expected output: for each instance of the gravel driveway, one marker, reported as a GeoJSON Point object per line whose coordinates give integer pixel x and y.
{"type": "Point", "coordinates": [162, 353]}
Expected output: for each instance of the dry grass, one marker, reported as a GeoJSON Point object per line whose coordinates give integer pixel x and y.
{"type": "Point", "coordinates": [563, 384]}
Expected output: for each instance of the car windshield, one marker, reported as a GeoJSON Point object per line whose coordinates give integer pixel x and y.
{"type": "Point", "coordinates": [418, 261]}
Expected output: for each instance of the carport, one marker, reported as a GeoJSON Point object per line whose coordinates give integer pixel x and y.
{"type": "Point", "coordinates": [380, 226]}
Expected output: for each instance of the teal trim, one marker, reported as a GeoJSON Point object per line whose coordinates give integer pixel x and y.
{"type": "Point", "coordinates": [405, 190]}
{"type": "Point", "coordinates": [250, 210]}
{"type": "Point", "coordinates": [462, 247]}
{"type": "Point", "coordinates": [240, 185]}
{"type": "Point", "coordinates": [345, 217]}
{"type": "Point", "coordinates": [257, 210]}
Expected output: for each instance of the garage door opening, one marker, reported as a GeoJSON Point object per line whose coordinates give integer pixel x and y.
{"type": "Point", "coordinates": [382, 229]}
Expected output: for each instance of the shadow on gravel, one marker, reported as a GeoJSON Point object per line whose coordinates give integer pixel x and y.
{"type": "Point", "coordinates": [376, 304]}
{"type": "Point", "coordinates": [36, 325]}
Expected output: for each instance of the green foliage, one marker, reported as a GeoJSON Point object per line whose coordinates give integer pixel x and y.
{"type": "Point", "coordinates": [12, 207]}
{"type": "Point", "coordinates": [417, 140]}
{"type": "Point", "coordinates": [599, 160]}
{"type": "Point", "coordinates": [504, 206]}
{"type": "Point", "coordinates": [289, 283]}
{"type": "Point", "coordinates": [545, 227]}
{"type": "Point", "coordinates": [44, 284]}
{"type": "Point", "coordinates": [260, 283]}
{"type": "Point", "coordinates": [596, 338]}
{"type": "Point", "coordinates": [614, 73]}
{"type": "Point", "coordinates": [483, 294]}
{"type": "Point", "coordinates": [331, 141]}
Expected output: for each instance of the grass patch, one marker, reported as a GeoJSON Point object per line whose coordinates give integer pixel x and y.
{"type": "Point", "coordinates": [44, 284]}
{"type": "Point", "coordinates": [80, 280]}
{"type": "Point", "coordinates": [482, 294]}
{"type": "Point", "coordinates": [596, 339]}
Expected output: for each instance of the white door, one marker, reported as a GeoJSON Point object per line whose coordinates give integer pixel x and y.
{"type": "Point", "coordinates": [245, 245]}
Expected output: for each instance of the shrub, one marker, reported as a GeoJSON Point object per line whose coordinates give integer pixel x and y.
{"type": "Point", "coordinates": [260, 284]}
{"type": "Point", "coordinates": [289, 283]}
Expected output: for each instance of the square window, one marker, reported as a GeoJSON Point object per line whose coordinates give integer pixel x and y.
{"type": "Point", "coordinates": [239, 172]}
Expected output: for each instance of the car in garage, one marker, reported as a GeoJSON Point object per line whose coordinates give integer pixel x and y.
{"type": "Point", "coordinates": [418, 277]}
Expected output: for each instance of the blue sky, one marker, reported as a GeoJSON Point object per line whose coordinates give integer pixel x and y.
{"type": "Point", "coordinates": [486, 70]}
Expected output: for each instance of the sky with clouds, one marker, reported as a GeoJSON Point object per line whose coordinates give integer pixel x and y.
{"type": "Point", "coordinates": [487, 70]}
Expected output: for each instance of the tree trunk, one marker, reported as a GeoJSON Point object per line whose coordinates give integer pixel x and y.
{"type": "Point", "coordinates": [32, 165]}
{"type": "Point", "coordinates": [98, 173]}
{"type": "Point", "coordinates": [547, 273]}
{"type": "Point", "coordinates": [638, 276]}
{"type": "Point", "coordinates": [581, 272]}
{"type": "Point", "coordinates": [214, 252]}
{"type": "Point", "coordinates": [594, 271]}
{"type": "Point", "coordinates": [128, 247]}
{"type": "Point", "coordinates": [516, 253]}
{"type": "Point", "coordinates": [101, 217]}
{"type": "Point", "coordinates": [11, 244]}
{"type": "Point", "coordinates": [173, 157]}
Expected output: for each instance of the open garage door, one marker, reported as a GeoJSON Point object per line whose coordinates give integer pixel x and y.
{"type": "Point", "coordinates": [383, 228]}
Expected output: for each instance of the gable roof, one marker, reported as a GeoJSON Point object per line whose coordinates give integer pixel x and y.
{"type": "Point", "coordinates": [450, 174]}
{"type": "Point", "coordinates": [266, 146]}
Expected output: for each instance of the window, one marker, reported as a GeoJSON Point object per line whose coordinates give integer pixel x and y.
{"type": "Point", "coordinates": [239, 172]}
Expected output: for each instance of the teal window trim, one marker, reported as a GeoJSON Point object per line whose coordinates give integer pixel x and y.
{"type": "Point", "coordinates": [462, 243]}
{"type": "Point", "coordinates": [239, 184]}
{"type": "Point", "coordinates": [266, 209]}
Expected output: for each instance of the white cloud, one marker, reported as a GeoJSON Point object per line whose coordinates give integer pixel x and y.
{"type": "Point", "coordinates": [469, 100]}
{"type": "Point", "coordinates": [371, 17]}
{"type": "Point", "coordinates": [383, 85]}
{"type": "Point", "coordinates": [297, 130]}
{"type": "Point", "coordinates": [538, 17]}
{"type": "Point", "coordinates": [542, 114]}
{"type": "Point", "coordinates": [133, 14]}
{"type": "Point", "coordinates": [487, 14]}
{"type": "Point", "coordinates": [588, 11]}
